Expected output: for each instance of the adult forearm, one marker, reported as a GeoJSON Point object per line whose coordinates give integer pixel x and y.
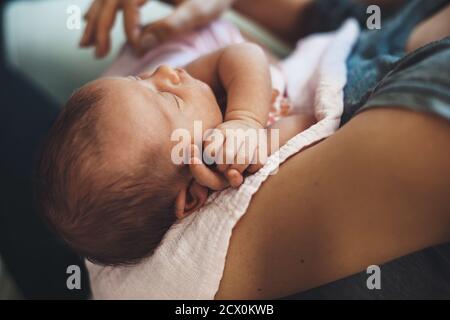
{"type": "Point", "coordinates": [293, 19]}
{"type": "Point", "coordinates": [286, 18]}
{"type": "Point", "coordinates": [361, 197]}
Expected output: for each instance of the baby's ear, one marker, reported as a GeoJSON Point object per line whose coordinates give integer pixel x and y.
{"type": "Point", "coordinates": [189, 199]}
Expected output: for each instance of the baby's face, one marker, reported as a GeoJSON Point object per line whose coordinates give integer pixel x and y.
{"type": "Point", "coordinates": [139, 113]}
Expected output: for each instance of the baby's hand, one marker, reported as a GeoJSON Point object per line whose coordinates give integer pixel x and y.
{"type": "Point", "coordinates": [203, 175]}
{"type": "Point", "coordinates": [238, 148]}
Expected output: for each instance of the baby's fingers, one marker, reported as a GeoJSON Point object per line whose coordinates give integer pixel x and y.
{"type": "Point", "coordinates": [254, 168]}
{"type": "Point", "coordinates": [244, 157]}
{"type": "Point", "coordinates": [258, 161]}
{"type": "Point", "coordinates": [204, 175]}
{"type": "Point", "coordinates": [234, 177]}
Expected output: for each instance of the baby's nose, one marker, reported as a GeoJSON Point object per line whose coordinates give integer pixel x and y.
{"type": "Point", "coordinates": [168, 72]}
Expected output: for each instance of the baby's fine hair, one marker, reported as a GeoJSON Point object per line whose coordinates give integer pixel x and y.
{"type": "Point", "coordinates": [110, 219]}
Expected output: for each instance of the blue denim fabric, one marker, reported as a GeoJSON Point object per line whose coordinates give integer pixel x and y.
{"type": "Point", "coordinates": [380, 73]}
{"type": "Point", "coordinates": [419, 81]}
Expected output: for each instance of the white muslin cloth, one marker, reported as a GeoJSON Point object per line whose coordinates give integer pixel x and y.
{"type": "Point", "coordinates": [190, 261]}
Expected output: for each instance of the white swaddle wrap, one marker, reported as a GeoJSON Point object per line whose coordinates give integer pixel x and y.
{"type": "Point", "coordinates": [190, 261]}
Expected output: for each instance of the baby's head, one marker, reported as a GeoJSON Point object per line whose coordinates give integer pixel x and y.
{"type": "Point", "coordinates": [106, 182]}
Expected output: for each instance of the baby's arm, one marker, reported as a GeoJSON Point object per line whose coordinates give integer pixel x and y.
{"type": "Point", "coordinates": [242, 71]}
{"type": "Point", "coordinates": [288, 127]}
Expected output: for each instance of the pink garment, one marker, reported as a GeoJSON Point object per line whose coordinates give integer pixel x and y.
{"type": "Point", "coordinates": [190, 261]}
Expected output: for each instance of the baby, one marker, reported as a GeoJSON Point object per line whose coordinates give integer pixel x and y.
{"type": "Point", "coordinates": [107, 183]}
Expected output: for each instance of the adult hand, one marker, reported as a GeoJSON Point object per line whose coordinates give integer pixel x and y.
{"type": "Point", "coordinates": [188, 15]}
{"type": "Point", "coordinates": [100, 20]}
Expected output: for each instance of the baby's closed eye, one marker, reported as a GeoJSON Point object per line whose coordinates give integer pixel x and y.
{"type": "Point", "coordinates": [174, 97]}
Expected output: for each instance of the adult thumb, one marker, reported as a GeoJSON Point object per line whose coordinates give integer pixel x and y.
{"type": "Point", "coordinates": [156, 33]}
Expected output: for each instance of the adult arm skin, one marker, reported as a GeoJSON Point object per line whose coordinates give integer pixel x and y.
{"type": "Point", "coordinates": [290, 19]}
{"type": "Point", "coordinates": [374, 191]}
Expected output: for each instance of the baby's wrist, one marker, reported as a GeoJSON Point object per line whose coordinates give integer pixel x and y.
{"type": "Point", "coordinates": [246, 116]}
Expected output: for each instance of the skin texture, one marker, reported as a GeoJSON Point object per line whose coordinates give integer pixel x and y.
{"type": "Point", "coordinates": [432, 29]}
{"type": "Point", "coordinates": [285, 18]}
{"type": "Point", "coordinates": [133, 107]}
{"type": "Point", "coordinates": [361, 197]}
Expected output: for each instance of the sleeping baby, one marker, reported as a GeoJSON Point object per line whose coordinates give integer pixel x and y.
{"type": "Point", "coordinates": [107, 182]}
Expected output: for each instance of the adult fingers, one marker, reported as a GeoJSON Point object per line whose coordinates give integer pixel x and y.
{"type": "Point", "coordinates": [187, 15]}
{"type": "Point", "coordinates": [90, 17]}
{"type": "Point", "coordinates": [132, 21]}
{"type": "Point", "coordinates": [183, 19]}
{"type": "Point", "coordinates": [156, 33]}
{"type": "Point", "coordinates": [104, 26]}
